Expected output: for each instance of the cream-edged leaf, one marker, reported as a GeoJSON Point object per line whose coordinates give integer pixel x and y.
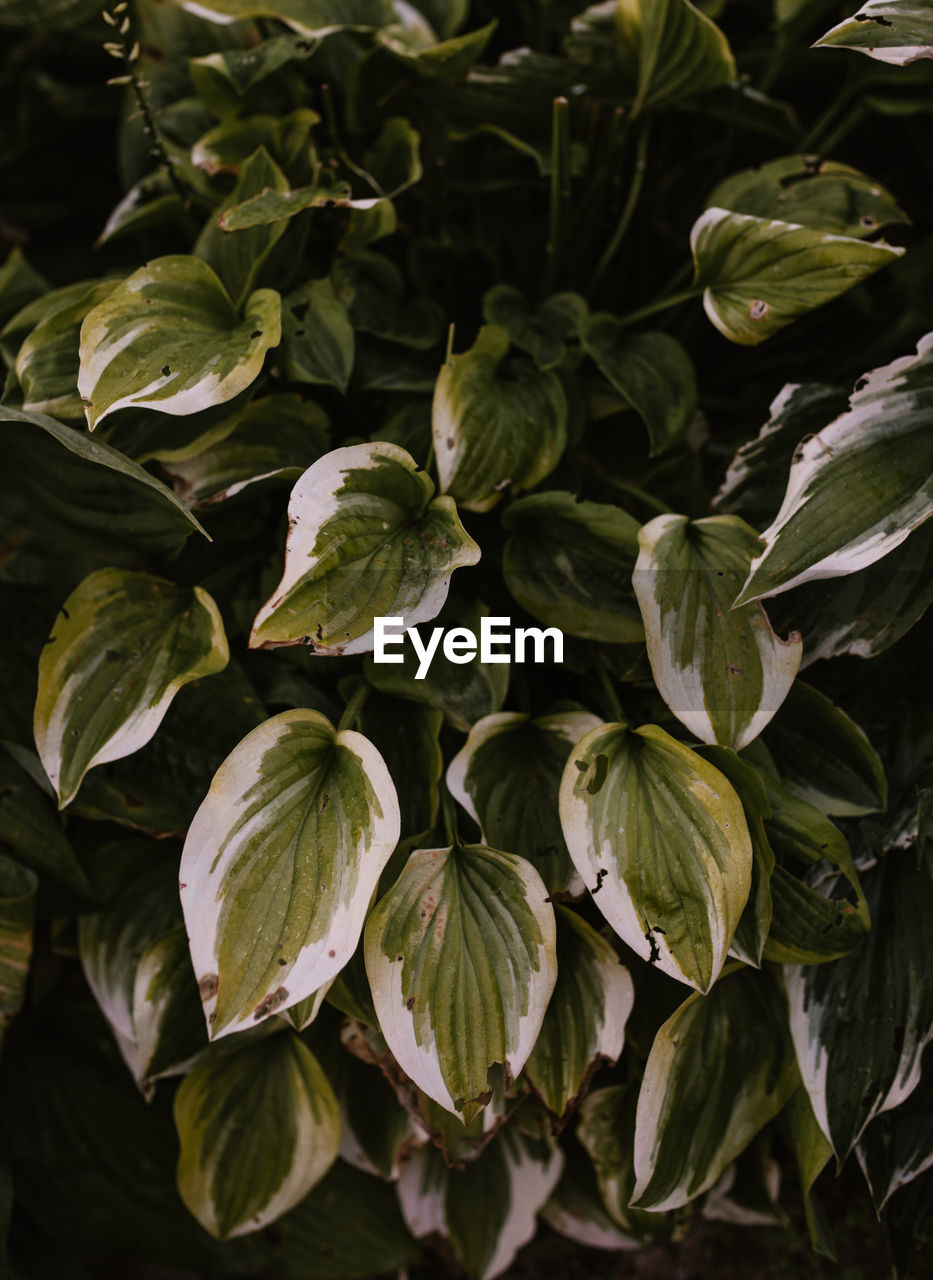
{"type": "Point", "coordinates": [280, 863]}
{"type": "Point", "coordinates": [460, 955]}
{"type": "Point", "coordinates": [258, 1128]}
{"type": "Point", "coordinates": [759, 274]}
{"type": "Point", "coordinates": [507, 777]}
{"type": "Point", "coordinates": [314, 18]}
{"type": "Point", "coordinates": [679, 50]}
{"type": "Point", "coordinates": [122, 646]}
{"type": "Point", "coordinates": [720, 1068]}
{"type": "Point", "coordinates": [722, 671]}
{"type": "Point", "coordinates": [585, 1022]}
{"type": "Point", "coordinates": [872, 467]}
{"type": "Point", "coordinates": [576, 1209]}
{"type": "Point", "coordinates": [894, 31]}
{"type": "Point", "coordinates": [498, 424]}
{"type": "Point", "coordinates": [169, 338]}
{"type": "Point", "coordinates": [366, 539]}
{"type": "Point", "coordinates": [661, 841]}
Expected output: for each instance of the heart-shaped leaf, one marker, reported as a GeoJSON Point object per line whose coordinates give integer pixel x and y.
{"type": "Point", "coordinates": [268, 1109]}
{"type": "Point", "coordinates": [461, 961]}
{"type": "Point", "coordinates": [366, 539]}
{"type": "Point", "coordinates": [722, 671]}
{"type": "Point", "coordinates": [720, 1068]}
{"type": "Point", "coordinates": [280, 863]}
{"type": "Point", "coordinates": [507, 777]}
{"type": "Point", "coordinates": [47, 362]}
{"type": "Point", "coordinates": [660, 839]}
{"type": "Point", "coordinates": [757, 275]}
{"type": "Point", "coordinates": [121, 648]}
{"type": "Point", "coordinates": [893, 31]}
{"type": "Point", "coordinates": [498, 424]}
{"type": "Point", "coordinates": [317, 336]}
{"type": "Point", "coordinates": [872, 467]}
{"type": "Point", "coordinates": [680, 52]}
{"type": "Point", "coordinates": [169, 338]}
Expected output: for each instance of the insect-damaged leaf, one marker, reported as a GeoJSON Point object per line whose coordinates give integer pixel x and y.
{"type": "Point", "coordinates": [498, 424]}
{"type": "Point", "coordinates": [280, 863]}
{"type": "Point", "coordinates": [893, 31]}
{"type": "Point", "coordinates": [569, 563]}
{"type": "Point", "coordinates": [860, 1024]}
{"type": "Point", "coordinates": [169, 338]}
{"type": "Point", "coordinates": [366, 539]}
{"type": "Point", "coordinates": [720, 1068]}
{"type": "Point", "coordinates": [585, 1021]}
{"type": "Point", "coordinates": [757, 274]}
{"type": "Point", "coordinates": [18, 888]}
{"type": "Point", "coordinates": [872, 468]}
{"type": "Point", "coordinates": [661, 841]}
{"type": "Point", "coordinates": [266, 1111]}
{"type": "Point", "coordinates": [722, 671]}
{"type": "Point", "coordinates": [679, 51]}
{"type": "Point", "coordinates": [461, 961]}
{"type": "Point", "coordinates": [507, 777]}
{"type": "Point", "coordinates": [121, 648]}
{"type": "Point", "coordinates": [488, 1210]}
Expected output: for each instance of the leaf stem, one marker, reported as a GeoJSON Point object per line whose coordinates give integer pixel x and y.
{"type": "Point", "coordinates": [660, 304]}
{"type": "Point", "coordinates": [560, 189]}
{"type": "Point", "coordinates": [449, 813]}
{"type": "Point", "coordinates": [351, 712]}
{"type": "Point", "coordinates": [634, 191]}
{"type": "Point", "coordinates": [608, 689]}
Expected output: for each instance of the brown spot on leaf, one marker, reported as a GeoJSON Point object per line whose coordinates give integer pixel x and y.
{"type": "Point", "coordinates": [208, 987]}
{"type": "Point", "coordinates": [272, 1001]}
{"type": "Point", "coordinates": [758, 309]}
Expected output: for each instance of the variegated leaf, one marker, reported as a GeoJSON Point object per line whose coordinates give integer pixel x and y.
{"type": "Point", "coordinates": [488, 1210]}
{"type": "Point", "coordinates": [720, 1068]}
{"type": "Point", "coordinates": [507, 777]}
{"type": "Point", "coordinates": [661, 841]}
{"type": "Point", "coordinates": [169, 338]}
{"type": "Point", "coordinates": [498, 425]}
{"type": "Point", "coordinates": [576, 1209]}
{"type": "Point", "coordinates": [585, 1022]}
{"type": "Point", "coordinates": [18, 887]}
{"type": "Point", "coordinates": [758, 274]}
{"type": "Point", "coordinates": [258, 1128]}
{"type": "Point", "coordinates": [811, 1154]}
{"type": "Point", "coordinates": [722, 671]}
{"type": "Point", "coordinates": [893, 31]}
{"type": "Point", "coordinates": [47, 362]}
{"type": "Point", "coordinates": [314, 18]}
{"type": "Point", "coordinates": [872, 467]}
{"type": "Point", "coordinates": [280, 863]}
{"type": "Point", "coordinates": [898, 1146]}
{"type": "Point", "coordinates": [121, 648]}
{"type": "Point", "coordinates": [860, 1024]}
{"type": "Point", "coordinates": [680, 51]}
{"type": "Point", "coordinates": [461, 960]}
{"type": "Point", "coordinates": [366, 539]}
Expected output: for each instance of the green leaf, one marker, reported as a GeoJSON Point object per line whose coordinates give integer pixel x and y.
{"type": "Point", "coordinates": [374, 291]}
{"type": "Point", "coordinates": [86, 485]}
{"type": "Point", "coordinates": [498, 424]}
{"type": "Point", "coordinates": [811, 1153]}
{"type": "Point", "coordinates": [893, 31]}
{"type": "Point", "coordinates": [228, 147]}
{"type": "Point", "coordinates": [722, 671]}
{"type": "Point", "coordinates": [378, 1133]}
{"type": "Point", "coordinates": [121, 648]}
{"type": "Point", "coordinates": [576, 1209]}
{"type": "Point", "coordinates": [151, 202]}
{"type": "Point", "coordinates": [464, 692]}
{"type": "Point", "coordinates": [860, 1025]}
{"type": "Point", "coordinates": [898, 1145]}
{"type": "Point", "coordinates": [679, 51]}
{"type": "Point", "coordinates": [47, 362]}
{"type": "Point", "coordinates": [269, 208]}
{"type": "Point", "coordinates": [32, 830]}
{"type": "Point", "coordinates": [275, 438]}
{"type": "Point", "coordinates": [268, 1109]}
{"type": "Point", "coordinates": [544, 332]}
{"type": "Point", "coordinates": [488, 1210]}
{"type": "Point", "coordinates": [317, 336]}
{"type": "Point", "coordinates": [316, 18]}
{"type": "Point", "coordinates": [238, 257]}
{"type": "Point", "coordinates": [461, 960]}
{"type": "Point", "coordinates": [20, 284]}
{"type": "Point", "coordinates": [824, 756]}
{"type": "Point", "coordinates": [872, 467]}
{"type": "Point", "coordinates": [507, 777]}
{"type": "Point", "coordinates": [660, 839]}
{"type": "Point", "coordinates": [757, 275]}
{"type": "Point", "coordinates": [18, 888]}
{"type": "Point", "coordinates": [720, 1068]}
{"type": "Point", "coordinates": [406, 736]}
{"type": "Point", "coordinates": [569, 563]}
{"type": "Point", "coordinates": [811, 192]}
{"type": "Point", "coordinates": [585, 1022]}
{"type": "Point", "coordinates": [652, 371]}
{"type": "Point", "coordinates": [366, 539]}
{"type": "Point", "coordinates": [448, 59]}
{"type": "Point", "coordinates": [607, 1132]}
{"type": "Point", "coordinates": [227, 81]}
{"type": "Point", "coordinates": [169, 338]}
{"type": "Point", "coordinates": [286, 849]}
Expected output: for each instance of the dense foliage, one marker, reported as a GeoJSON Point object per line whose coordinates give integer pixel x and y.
{"type": "Point", "coordinates": [614, 320]}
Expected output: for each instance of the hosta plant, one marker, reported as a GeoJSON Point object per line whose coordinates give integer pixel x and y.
{"type": "Point", "coordinates": [466, 756]}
